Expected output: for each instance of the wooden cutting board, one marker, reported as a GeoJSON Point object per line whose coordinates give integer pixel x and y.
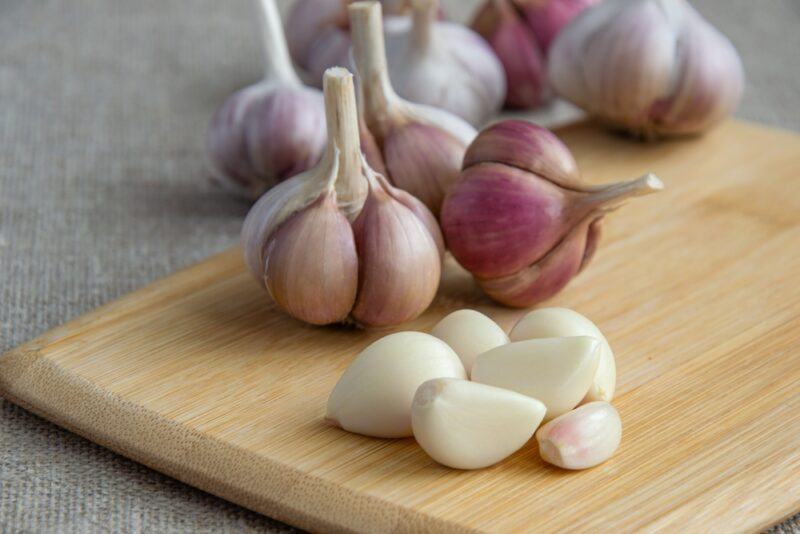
{"type": "Point", "coordinates": [696, 288]}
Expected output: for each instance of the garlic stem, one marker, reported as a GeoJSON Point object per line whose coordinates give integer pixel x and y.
{"type": "Point", "coordinates": [277, 63]}
{"type": "Point", "coordinates": [341, 117]}
{"type": "Point", "coordinates": [615, 193]}
{"type": "Point", "coordinates": [423, 18]}
{"type": "Point", "coordinates": [369, 48]}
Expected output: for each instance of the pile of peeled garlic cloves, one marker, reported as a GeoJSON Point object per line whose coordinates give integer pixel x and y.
{"type": "Point", "coordinates": [471, 395]}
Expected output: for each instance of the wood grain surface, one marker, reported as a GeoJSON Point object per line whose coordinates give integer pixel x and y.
{"type": "Point", "coordinates": [696, 288]}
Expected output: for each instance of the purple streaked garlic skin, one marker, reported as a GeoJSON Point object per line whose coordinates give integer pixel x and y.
{"type": "Point", "coordinates": [265, 133]}
{"type": "Point", "coordinates": [653, 68]}
{"type": "Point", "coordinates": [520, 219]}
{"type": "Point", "coordinates": [515, 45]}
{"type": "Point", "coordinates": [547, 18]}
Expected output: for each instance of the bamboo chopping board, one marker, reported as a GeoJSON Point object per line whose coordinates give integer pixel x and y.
{"type": "Point", "coordinates": [697, 289]}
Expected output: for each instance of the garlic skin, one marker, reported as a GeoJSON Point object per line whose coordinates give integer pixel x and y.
{"type": "Point", "coordinates": [582, 438]}
{"type": "Point", "coordinates": [467, 425]}
{"type": "Point", "coordinates": [563, 322]}
{"type": "Point", "coordinates": [422, 147]}
{"type": "Point", "coordinates": [319, 33]}
{"type": "Point", "coordinates": [547, 18]}
{"type": "Point", "coordinates": [651, 67]}
{"type": "Point", "coordinates": [270, 131]}
{"type": "Point", "coordinates": [338, 242]}
{"type": "Point", "coordinates": [515, 45]}
{"type": "Point", "coordinates": [520, 219]}
{"type": "Point", "coordinates": [558, 371]}
{"type": "Point", "coordinates": [445, 65]}
{"type": "Point", "coordinates": [374, 395]}
{"type": "Point", "coordinates": [469, 333]}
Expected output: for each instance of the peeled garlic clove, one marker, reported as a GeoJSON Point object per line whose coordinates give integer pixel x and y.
{"type": "Point", "coordinates": [563, 322]}
{"type": "Point", "coordinates": [374, 395]}
{"type": "Point", "coordinates": [548, 17]}
{"type": "Point", "coordinates": [469, 333]}
{"type": "Point", "coordinates": [338, 242]}
{"type": "Point", "coordinates": [654, 67]}
{"type": "Point", "coordinates": [422, 147]}
{"type": "Point", "coordinates": [557, 371]}
{"type": "Point", "coordinates": [520, 219]}
{"type": "Point", "coordinates": [315, 244]}
{"type": "Point", "coordinates": [585, 437]}
{"type": "Point", "coordinates": [514, 44]}
{"type": "Point", "coordinates": [467, 425]}
{"type": "Point", "coordinates": [265, 133]}
{"type": "Point", "coordinates": [392, 242]}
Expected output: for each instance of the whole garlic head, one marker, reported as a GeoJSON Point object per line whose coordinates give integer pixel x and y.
{"type": "Point", "coordinates": [422, 147]}
{"type": "Point", "coordinates": [339, 242]}
{"type": "Point", "coordinates": [467, 425]}
{"type": "Point", "coordinates": [374, 395]}
{"type": "Point", "coordinates": [558, 371]}
{"type": "Point", "coordinates": [563, 322]}
{"type": "Point", "coordinates": [469, 333]}
{"type": "Point", "coordinates": [652, 67]}
{"type": "Point", "coordinates": [445, 65]}
{"type": "Point", "coordinates": [585, 437]}
{"type": "Point", "coordinates": [270, 131]}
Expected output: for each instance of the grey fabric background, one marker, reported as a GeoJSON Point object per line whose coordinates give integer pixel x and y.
{"type": "Point", "coordinates": [103, 107]}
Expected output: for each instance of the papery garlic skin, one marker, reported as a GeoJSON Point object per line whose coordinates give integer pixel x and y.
{"type": "Point", "coordinates": [270, 131]}
{"type": "Point", "coordinates": [515, 45]}
{"type": "Point", "coordinates": [557, 371]}
{"type": "Point", "coordinates": [469, 333]}
{"type": "Point", "coordinates": [374, 395]}
{"type": "Point", "coordinates": [520, 219]}
{"type": "Point", "coordinates": [547, 18]}
{"type": "Point", "coordinates": [445, 65]}
{"type": "Point", "coordinates": [467, 425]}
{"type": "Point", "coordinates": [422, 147]}
{"type": "Point", "coordinates": [563, 322]}
{"type": "Point", "coordinates": [651, 67]}
{"type": "Point", "coordinates": [338, 242]}
{"type": "Point", "coordinates": [583, 438]}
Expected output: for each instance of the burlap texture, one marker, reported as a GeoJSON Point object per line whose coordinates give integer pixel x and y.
{"type": "Point", "coordinates": [103, 108]}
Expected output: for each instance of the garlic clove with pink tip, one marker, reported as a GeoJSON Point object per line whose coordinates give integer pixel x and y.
{"type": "Point", "coordinates": [650, 67]}
{"type": "Point", "coordinates": [583, 438]}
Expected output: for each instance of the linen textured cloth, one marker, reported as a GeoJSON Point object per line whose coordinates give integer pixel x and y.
{"type": "Point", "coordinates": [103, 188]}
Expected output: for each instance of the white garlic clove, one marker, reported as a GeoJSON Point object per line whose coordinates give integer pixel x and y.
{"type": "Point", "coordinates": [558, 371]}
{"type": "Point", "coordinates": [312, 267]}
{"type": "Point", "coordinates": [374, 395]}
{"type": "Point", "coordinates": [469, 333]}
{"type": "Point", "coordinates": [467, 425]}
{"type": "Point", "coordinates": [563, 322]}
{"type": "Point", "coordinates": [392, 244]}
{"type": "Point", "coordinates": [582, 438]}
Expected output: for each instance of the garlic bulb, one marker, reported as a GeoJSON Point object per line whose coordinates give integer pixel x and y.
{"type": "Point", "coordinates": [651, 67]}
{"type": "Point", "coordinates": [339, 242]}
{"type": "Point", "coordinates": [582, 438]}
{"type": "Point", "coordinates": [269, 131]}
{"type": "Point", "coordinates": [516, 47]}
{"type": "Point", "coordinates": [558, 371]}
{"type": "Point", "coordinates": [563, 322]}
{"type": "Point", "coordinates": [469, 333]}
{"type": "Point", "coordinates": [467, 425]}
{"type": "Point", "coordinates": [319, 33]}
{"type": "Point", "coordinates": [520, 219]}
{"type": "Point", "coordinates": [548, 17]}
{"type": "Point", "coordinates": [422, 147]}
{"type": "Point", "coordinates": [374, 395]}
{"type": "Point", "coordinates": [445, 65]}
